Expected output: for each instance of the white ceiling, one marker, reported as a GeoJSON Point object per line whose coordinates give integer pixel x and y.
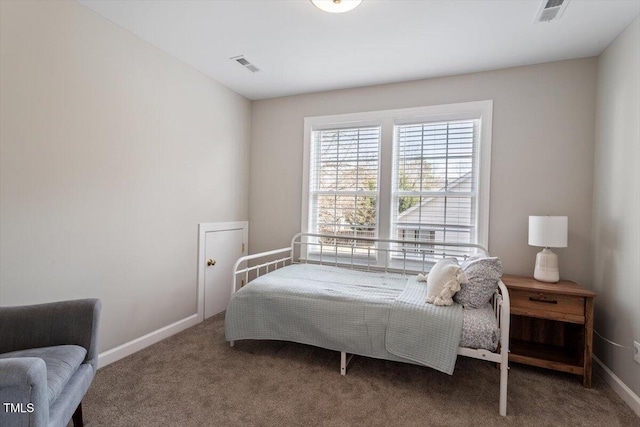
{"type": "Point", "coordinates": [301, 49]}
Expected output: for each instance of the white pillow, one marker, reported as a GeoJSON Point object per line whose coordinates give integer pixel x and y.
{"type": "Point", "coordinates": [444, 281]}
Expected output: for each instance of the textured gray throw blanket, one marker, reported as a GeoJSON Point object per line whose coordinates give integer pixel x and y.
{"type": "Point", "coordinates": [424, 333]}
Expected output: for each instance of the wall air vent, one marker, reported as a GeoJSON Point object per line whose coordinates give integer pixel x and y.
{"type": "Point", "coordinates": [246, 64]}
{"type": "Point", "coordinates": [551, 10]}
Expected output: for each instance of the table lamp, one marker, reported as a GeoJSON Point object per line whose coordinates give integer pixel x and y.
{"type": "Point", "coordinates": [547, 232]}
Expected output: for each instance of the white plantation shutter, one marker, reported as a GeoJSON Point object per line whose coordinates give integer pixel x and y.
{"type": "Point", "coordinates": [435, 182]}
{"type": "Point", "coordinates": [343, 181]}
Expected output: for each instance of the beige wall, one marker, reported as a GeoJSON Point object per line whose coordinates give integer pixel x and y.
{"type": "Point", "coordinates": [112, 152]}
{"type": "Point", "coordinates": [542, 153]}
{"type": "Point", "coordinates": [616, 205]}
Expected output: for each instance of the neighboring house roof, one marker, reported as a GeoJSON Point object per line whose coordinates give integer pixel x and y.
{"type": "Point", "coordinates": [408, 215]}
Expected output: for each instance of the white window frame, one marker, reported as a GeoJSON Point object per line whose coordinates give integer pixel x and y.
{"type": "Point", "coordinates": [377, 191]}
{"type": "Point", "coordinates": [387, 119]}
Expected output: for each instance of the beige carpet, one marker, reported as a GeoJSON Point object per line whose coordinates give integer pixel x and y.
{"type": "Point", "coordinates": [195, 379]}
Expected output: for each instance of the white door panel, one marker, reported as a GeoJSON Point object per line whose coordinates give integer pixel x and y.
{"type": "Point", "coordinates": [222, 250]}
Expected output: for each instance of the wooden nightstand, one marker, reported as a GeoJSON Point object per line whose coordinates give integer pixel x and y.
{"type": "Point", "coordinates": [551, 325]}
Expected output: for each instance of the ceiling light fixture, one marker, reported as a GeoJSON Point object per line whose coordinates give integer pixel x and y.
{"type": "Point", "coordinates": [336, 6]}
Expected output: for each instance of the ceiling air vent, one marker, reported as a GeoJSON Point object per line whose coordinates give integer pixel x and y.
{"type": "Point", "coordinates": [246, 64]}
{"type": "Point", "coordinates": [550, 10]}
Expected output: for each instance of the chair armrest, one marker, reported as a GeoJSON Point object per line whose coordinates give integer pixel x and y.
{"type": "Point", "coordinates": [58, 323]}
{"type": "Point", "coordinates": [23, 392]}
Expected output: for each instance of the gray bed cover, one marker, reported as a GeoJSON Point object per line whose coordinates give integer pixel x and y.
{"type": "Point", "coordinates": [381, 315]}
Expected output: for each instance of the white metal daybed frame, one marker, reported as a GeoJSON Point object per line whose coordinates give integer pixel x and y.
{"type": "Point", "coordinates": [403, 263]}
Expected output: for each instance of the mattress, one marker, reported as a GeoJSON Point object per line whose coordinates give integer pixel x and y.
{"type": "Point", "coordinates": [311, 304]}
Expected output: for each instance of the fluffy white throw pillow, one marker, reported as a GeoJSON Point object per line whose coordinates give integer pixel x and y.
{"type": "Point", "coordinates": [444, 281]}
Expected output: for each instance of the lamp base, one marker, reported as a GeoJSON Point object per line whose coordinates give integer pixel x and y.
{"type": "Point", "coordinates": [546, 266]}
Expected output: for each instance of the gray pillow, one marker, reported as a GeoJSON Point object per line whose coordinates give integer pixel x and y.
{"type": "Point", "coordinates": [482, 274]}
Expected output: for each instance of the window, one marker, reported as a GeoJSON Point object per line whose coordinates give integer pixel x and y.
{"type": "Point", "coordinates": [410, 174]}
{"type": "Point", "coordinates": [435, 181]}
{"type": "Point", "coordinates": [344, 181]}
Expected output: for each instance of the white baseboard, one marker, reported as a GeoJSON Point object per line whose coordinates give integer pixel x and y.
{"type": "Point", "coordinates": [151, 338]}
{"type": "Point", "coordinates": [618, 386]}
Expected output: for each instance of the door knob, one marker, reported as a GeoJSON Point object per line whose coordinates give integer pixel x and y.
{"type": "Point", "coordinates": [211, 262]}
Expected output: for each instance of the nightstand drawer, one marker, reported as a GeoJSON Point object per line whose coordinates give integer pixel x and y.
{"type": "Point", "coordinates": [547, 305]}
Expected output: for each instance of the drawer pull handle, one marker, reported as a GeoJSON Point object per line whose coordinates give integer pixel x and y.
{"type": "Point", "coordinates": [543, 299]}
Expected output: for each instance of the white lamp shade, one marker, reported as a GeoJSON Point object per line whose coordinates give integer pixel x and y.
{"type": "Point", "coordinates": [336, 6]}
{"type": "Point", "coordinates": [548, 231]}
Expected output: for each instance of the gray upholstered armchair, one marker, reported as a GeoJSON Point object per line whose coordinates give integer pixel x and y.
{"type": "Point", "coordinates": [48, 358]}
